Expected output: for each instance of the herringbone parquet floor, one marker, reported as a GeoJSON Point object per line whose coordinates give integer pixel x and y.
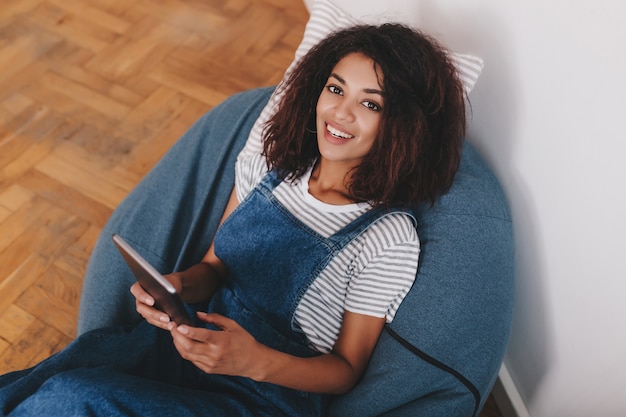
{"type": "Point", "coordinates": [92, 94]}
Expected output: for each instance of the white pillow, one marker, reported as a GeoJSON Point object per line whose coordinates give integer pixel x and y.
{"type": "Point", "coordinates": [327, 17]}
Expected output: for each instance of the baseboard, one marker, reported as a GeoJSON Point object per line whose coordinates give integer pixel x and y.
{"type": "Point", "coordinates": [507, 396]}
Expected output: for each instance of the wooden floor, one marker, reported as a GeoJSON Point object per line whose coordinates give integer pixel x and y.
{"type": "Point", "coordinates": [92, 94]}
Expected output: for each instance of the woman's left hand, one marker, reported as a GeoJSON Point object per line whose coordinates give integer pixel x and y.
{"type": "Point", "coordinates": [229, 351]}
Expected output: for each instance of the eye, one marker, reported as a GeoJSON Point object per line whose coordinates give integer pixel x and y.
{"type": "Point", "coordinates": [372, 106]}
{"type": "Point", "coordinates": [334, 89]}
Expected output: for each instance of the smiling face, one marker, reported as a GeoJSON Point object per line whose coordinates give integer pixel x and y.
{"type": "Point", "coordinates": [349, 110]}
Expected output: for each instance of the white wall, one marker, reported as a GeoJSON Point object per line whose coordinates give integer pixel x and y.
{"type": "Point", "coordinates": [549, 116]}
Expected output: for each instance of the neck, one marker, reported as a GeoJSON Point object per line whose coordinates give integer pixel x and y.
{"type": "Point", "coordinates": [328, 183]}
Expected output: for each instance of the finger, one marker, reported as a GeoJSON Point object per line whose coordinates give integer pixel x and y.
{"type": "Point", "coordinates": [193, 351]}
{"type": "Point", "coordinates": [141, 295]}
{"type": "Point", "coordinates": [197, 334]}
{"type": "Point", "coordinates": [217, 320]}
{"type": "Point", "coordinates": [153, 316]}
{"type": "Point", "coordinates": [175, 279]}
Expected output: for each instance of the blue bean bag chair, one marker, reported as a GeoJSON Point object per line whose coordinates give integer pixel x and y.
{"type": "Point", "coordinates": [441, 354]}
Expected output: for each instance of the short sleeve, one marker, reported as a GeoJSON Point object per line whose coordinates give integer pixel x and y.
{"type": "Point", "coordinates": [386, 277]}
{"type": "Point", "coordinates": [250, 169]}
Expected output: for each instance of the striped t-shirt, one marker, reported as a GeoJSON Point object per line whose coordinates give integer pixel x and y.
{"type": "Point", "coordinates": [370, 276]}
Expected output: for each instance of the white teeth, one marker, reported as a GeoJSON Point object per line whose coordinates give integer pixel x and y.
{"type": "Point", "coordinates": [338, 133]}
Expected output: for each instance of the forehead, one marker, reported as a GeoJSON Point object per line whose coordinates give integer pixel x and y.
{"type": "Point", "coordinates": [357, 68]}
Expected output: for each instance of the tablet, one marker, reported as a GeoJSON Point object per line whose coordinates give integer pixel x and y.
{"type": "Point", "coordinates": [165, 295]}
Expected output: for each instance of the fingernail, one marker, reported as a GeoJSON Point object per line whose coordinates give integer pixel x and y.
{"type": "Point", "coordinates": [183, 329]}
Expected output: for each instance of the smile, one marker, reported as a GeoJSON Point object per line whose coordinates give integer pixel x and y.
{"type": "Point", "coordinates": [338, 133]}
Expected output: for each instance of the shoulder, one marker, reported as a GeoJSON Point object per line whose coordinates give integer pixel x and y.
{"type": "Point", "coordinates": [389, 250]}
{"type": "Point", "coordinates": [396, 228]}
{"type": "Point", "coordinates": [387, 266]}
{"type": "Point", "coordinates": [249, 171]}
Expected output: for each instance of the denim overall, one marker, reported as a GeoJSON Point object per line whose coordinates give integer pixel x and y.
{"type": "Point", "coordinates": [272, 258]}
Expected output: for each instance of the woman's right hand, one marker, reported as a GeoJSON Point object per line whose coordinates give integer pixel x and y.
{"type": "Point", "coordinates": [144, 304]}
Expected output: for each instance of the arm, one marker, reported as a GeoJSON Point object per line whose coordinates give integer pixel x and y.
{"type": "Point", "coordinates": [233, 351]}
{"type": "Point", "coordinates": [335, 372]}
{"type": "Point", "coordinates": [195, 284]}
{"type": "Point", "coordinates": [199, 282]}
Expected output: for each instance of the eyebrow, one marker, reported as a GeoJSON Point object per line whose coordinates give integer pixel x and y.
{"type": "Point", "coordinates": [367, 90]}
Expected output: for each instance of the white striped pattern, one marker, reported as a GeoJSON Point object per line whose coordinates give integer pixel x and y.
{"type": "Point", "coordinates": [327, 17]}
{"type": "Point", "coordinates": [370, 276]}
{"type": "Point", "coordinates": [374, 273]}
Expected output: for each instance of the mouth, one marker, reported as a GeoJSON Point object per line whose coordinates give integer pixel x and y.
{"type": "Point", "coordinates": [338, 134]}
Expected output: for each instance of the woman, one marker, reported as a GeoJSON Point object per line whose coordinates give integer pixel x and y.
{"type": "Point", "coordinates": [316, 250]}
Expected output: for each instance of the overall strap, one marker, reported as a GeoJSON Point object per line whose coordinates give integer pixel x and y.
{"type": "Point", "coordinates": [342, 237]}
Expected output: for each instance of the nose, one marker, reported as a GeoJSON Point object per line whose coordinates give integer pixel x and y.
{"type": "Point", "coordinates": [344, 111]}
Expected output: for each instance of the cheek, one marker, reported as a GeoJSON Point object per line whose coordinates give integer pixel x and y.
{"type": "Point", "coordinates": [372, 127]}
{"type": "Point", "coordinates": [321, 113]}
{"type": "Point", "coordinates": [318, 115]}
{"type": "Point", "coordinates": [322, 104]}
{"type": "Point", "coordinates": [318, 119]}
{"type": "Point", "coordinates": [319, 110]}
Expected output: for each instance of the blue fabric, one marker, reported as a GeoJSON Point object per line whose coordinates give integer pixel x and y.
{"type": "Point", "coordinates": [273, 258]}
{"type": "Point", "coordinates": [441, 354]}
{"type": "Point", "coordinates": [455, 322]}
{"type": "Point", "coordinates": [127, 371]}
{"type": "Point", "coordinates": [172, 214]}
{"type": "Point", "coordinates": [96, 373]}
{"type": "Point", "coordinates": [108, 392]}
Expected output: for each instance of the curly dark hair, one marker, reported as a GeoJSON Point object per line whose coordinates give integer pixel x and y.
{"type": "Point", "coordinates": [417, 150]}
